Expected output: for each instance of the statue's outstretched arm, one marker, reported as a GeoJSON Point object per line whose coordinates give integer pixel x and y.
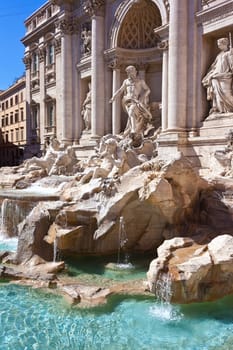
{"type": "Point", "coordinates": [118, 92]}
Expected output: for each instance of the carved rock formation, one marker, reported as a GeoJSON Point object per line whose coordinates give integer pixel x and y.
{"type": "Point", "coordinates": [198, 272]}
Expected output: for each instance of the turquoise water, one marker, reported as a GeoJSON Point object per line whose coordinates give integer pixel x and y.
{"type": "Point", "coordinates": [9, 244]}
{"type": "Point", "coordinates": [33, 320]}
{"type": "Point", "coordinates": [96, 267]}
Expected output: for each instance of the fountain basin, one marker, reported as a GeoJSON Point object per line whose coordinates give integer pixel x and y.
{"type": "Point", "coordinates": [44, 321]}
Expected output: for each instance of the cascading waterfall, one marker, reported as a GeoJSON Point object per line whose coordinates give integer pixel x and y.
{"type": "Point", "coordinates": [61, 220]}
{"type": "Point", "coordinates": [123, 256]}
{"type": "Point", "coordinates": [3, 231]}
{"type": "Point", "coordinates": [55, 250]}
{"type": "Point", "coordinates": [163, 288]}
{"type": "Point", "coordinates": [12, 212]}
{"type": "Point", "coordinates": [10, 217]}
{"type": "Point", "coordinates": [163, 309]}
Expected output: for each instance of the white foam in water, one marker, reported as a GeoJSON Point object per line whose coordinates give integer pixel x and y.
{"type": "Point", "coordinates": [123, 266]}
{"type": "Point", "coordinates": [165, 312]}
{"type": "Point", "coordinates": [163, 309]}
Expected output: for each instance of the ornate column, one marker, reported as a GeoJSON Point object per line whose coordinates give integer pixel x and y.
{"type": "Point", "coordinates": [66, 28]}
{"type": "Point", "coordinates": [95, 8]}
{"type": "Point", "coordinates": [163, 45]}
{"type": "Point", "coordinates": [116, 105]}
{"type": "Point", "coordinates": [76, 53]}
{"type": "Point", "coordinates": [43, 122]}
{"type": "Point", "coordinates": [177, 66]}
{"type": "Point", "coordinates": [27, 61]}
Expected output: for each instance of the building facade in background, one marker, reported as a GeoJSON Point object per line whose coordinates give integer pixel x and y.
{"type": "Point", "coordinates": [13, 112]}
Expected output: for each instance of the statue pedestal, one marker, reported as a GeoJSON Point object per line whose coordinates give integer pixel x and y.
{"type": "Point", "coordinates": [217, 125]}
{"type": "Point", "coordinates": [86, 147]}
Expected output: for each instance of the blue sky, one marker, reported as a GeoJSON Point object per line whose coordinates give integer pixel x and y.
{"type": "Point", "coordinates": [12, 16]}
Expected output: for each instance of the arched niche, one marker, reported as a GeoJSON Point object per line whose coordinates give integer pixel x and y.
{"type": "Point", "coordinates": [156, 10]}
{"type": "Point", "coordinates": [137, 28]}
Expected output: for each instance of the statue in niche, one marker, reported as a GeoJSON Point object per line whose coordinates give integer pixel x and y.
{"type": "Point", "coordinates": [135, 102]}
{"type": "Point", "coordinates": [86, 41]}
{"type": "Point", "coordinates": [86, 109]}
{"type": "Point", "coordinates": [218, 80]}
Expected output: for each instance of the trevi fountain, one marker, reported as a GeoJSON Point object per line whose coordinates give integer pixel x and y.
{"type": "Point", "coordinates": [131, 246]}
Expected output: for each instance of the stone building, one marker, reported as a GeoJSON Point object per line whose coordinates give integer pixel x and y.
{"type": "Point", "coordinates": [13, 111]}
{"type": "Point", "coordinates": [76, 45]}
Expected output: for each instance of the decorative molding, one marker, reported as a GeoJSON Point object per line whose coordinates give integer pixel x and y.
{"type": "Point", "coordinates": [93, 7]}
{"type": "Point", "coordinates": [122, 58]}
{"type": "Point", "coordinates": [115, 63]}
{"type": "Point", "coordinates": [68, 25]}
{"type": "Point", "coordinates": [163, 45]}
{"type": "Point", "coordinates": [27, 61]}
{"type": "Point", "coordinates": [41, 53]}
{"type": "Point", "coordinates": [212, 14]}
{"type": "Point", "coordinates": [167, 7]}
{"type": "Point", "coordinates": [57, 45]}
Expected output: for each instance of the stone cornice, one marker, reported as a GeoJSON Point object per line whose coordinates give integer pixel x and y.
{"type": "Point", "coordinates": [216, 12]}
{"type": "Point", "coordinates": [118, 57]}
{"type": "Point", "coordinates": [94, 7]}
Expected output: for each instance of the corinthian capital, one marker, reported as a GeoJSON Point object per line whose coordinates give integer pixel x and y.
{"type": "Point", "coordinates": [93, 7]}
{"type": "Point", "coordinates": [68, 25]}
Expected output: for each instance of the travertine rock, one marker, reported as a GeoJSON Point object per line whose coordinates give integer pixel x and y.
{"type": "Point", "coordinates": [197, 272]}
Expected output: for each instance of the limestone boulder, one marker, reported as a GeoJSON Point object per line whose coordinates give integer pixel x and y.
{"type": "Point", "coordinates": [87, 295]}
{"type": "Point", "coordinates": [197, 272]}
{"type": "Point", "coordinates": [151, 198]}
{"type": "Point", "coordinates": [31, 236]}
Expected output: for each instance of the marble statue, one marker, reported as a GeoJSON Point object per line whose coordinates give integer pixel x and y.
{"type": "Point", "coordinates": [86, 109]}
{"type": "Point", "coordinates": [49, 158]}
{"type": "Point", "coordinates": [106, 164]}
{"type": "Point", "coordinates": [135, 101]}
{"type": "Point", "coordinates": [64, 162]}
{"type": "Point", "coordinates": [86, 41]}
{"type": "Point", "coordinates": [218, 80]}
{"type": "Point", "coordinates": [55, 161]}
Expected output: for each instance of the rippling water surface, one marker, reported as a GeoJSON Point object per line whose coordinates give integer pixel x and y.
{"type": "Point", "coordinates": [30, 319]}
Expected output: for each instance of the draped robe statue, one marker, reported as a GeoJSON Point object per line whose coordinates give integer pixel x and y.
{"type": "Point", "coordinates": [218, 80]}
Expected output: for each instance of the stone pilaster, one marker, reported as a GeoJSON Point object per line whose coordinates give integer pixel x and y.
{"type": "Point", "coordinates": [27, 62]}
{"type": "Point", "coordinates": [177, 66]}
{"type": "Point", "coordinates": [116, 105]}
{"type": "Point", "coordinates": [163, 45]}
{"type": "Point", "coordinates": [95, 8]}
{"type": "Point", "coordinates": [43, 121]}
{"type": "Point", "coordinates": [67, 27]}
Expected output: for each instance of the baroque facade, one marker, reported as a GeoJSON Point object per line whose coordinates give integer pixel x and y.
{"type": "Point", "coordinates": [76, 53]}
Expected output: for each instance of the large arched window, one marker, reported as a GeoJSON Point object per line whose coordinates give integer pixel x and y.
{"type": "Point", "coordinates": [137, 28]}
